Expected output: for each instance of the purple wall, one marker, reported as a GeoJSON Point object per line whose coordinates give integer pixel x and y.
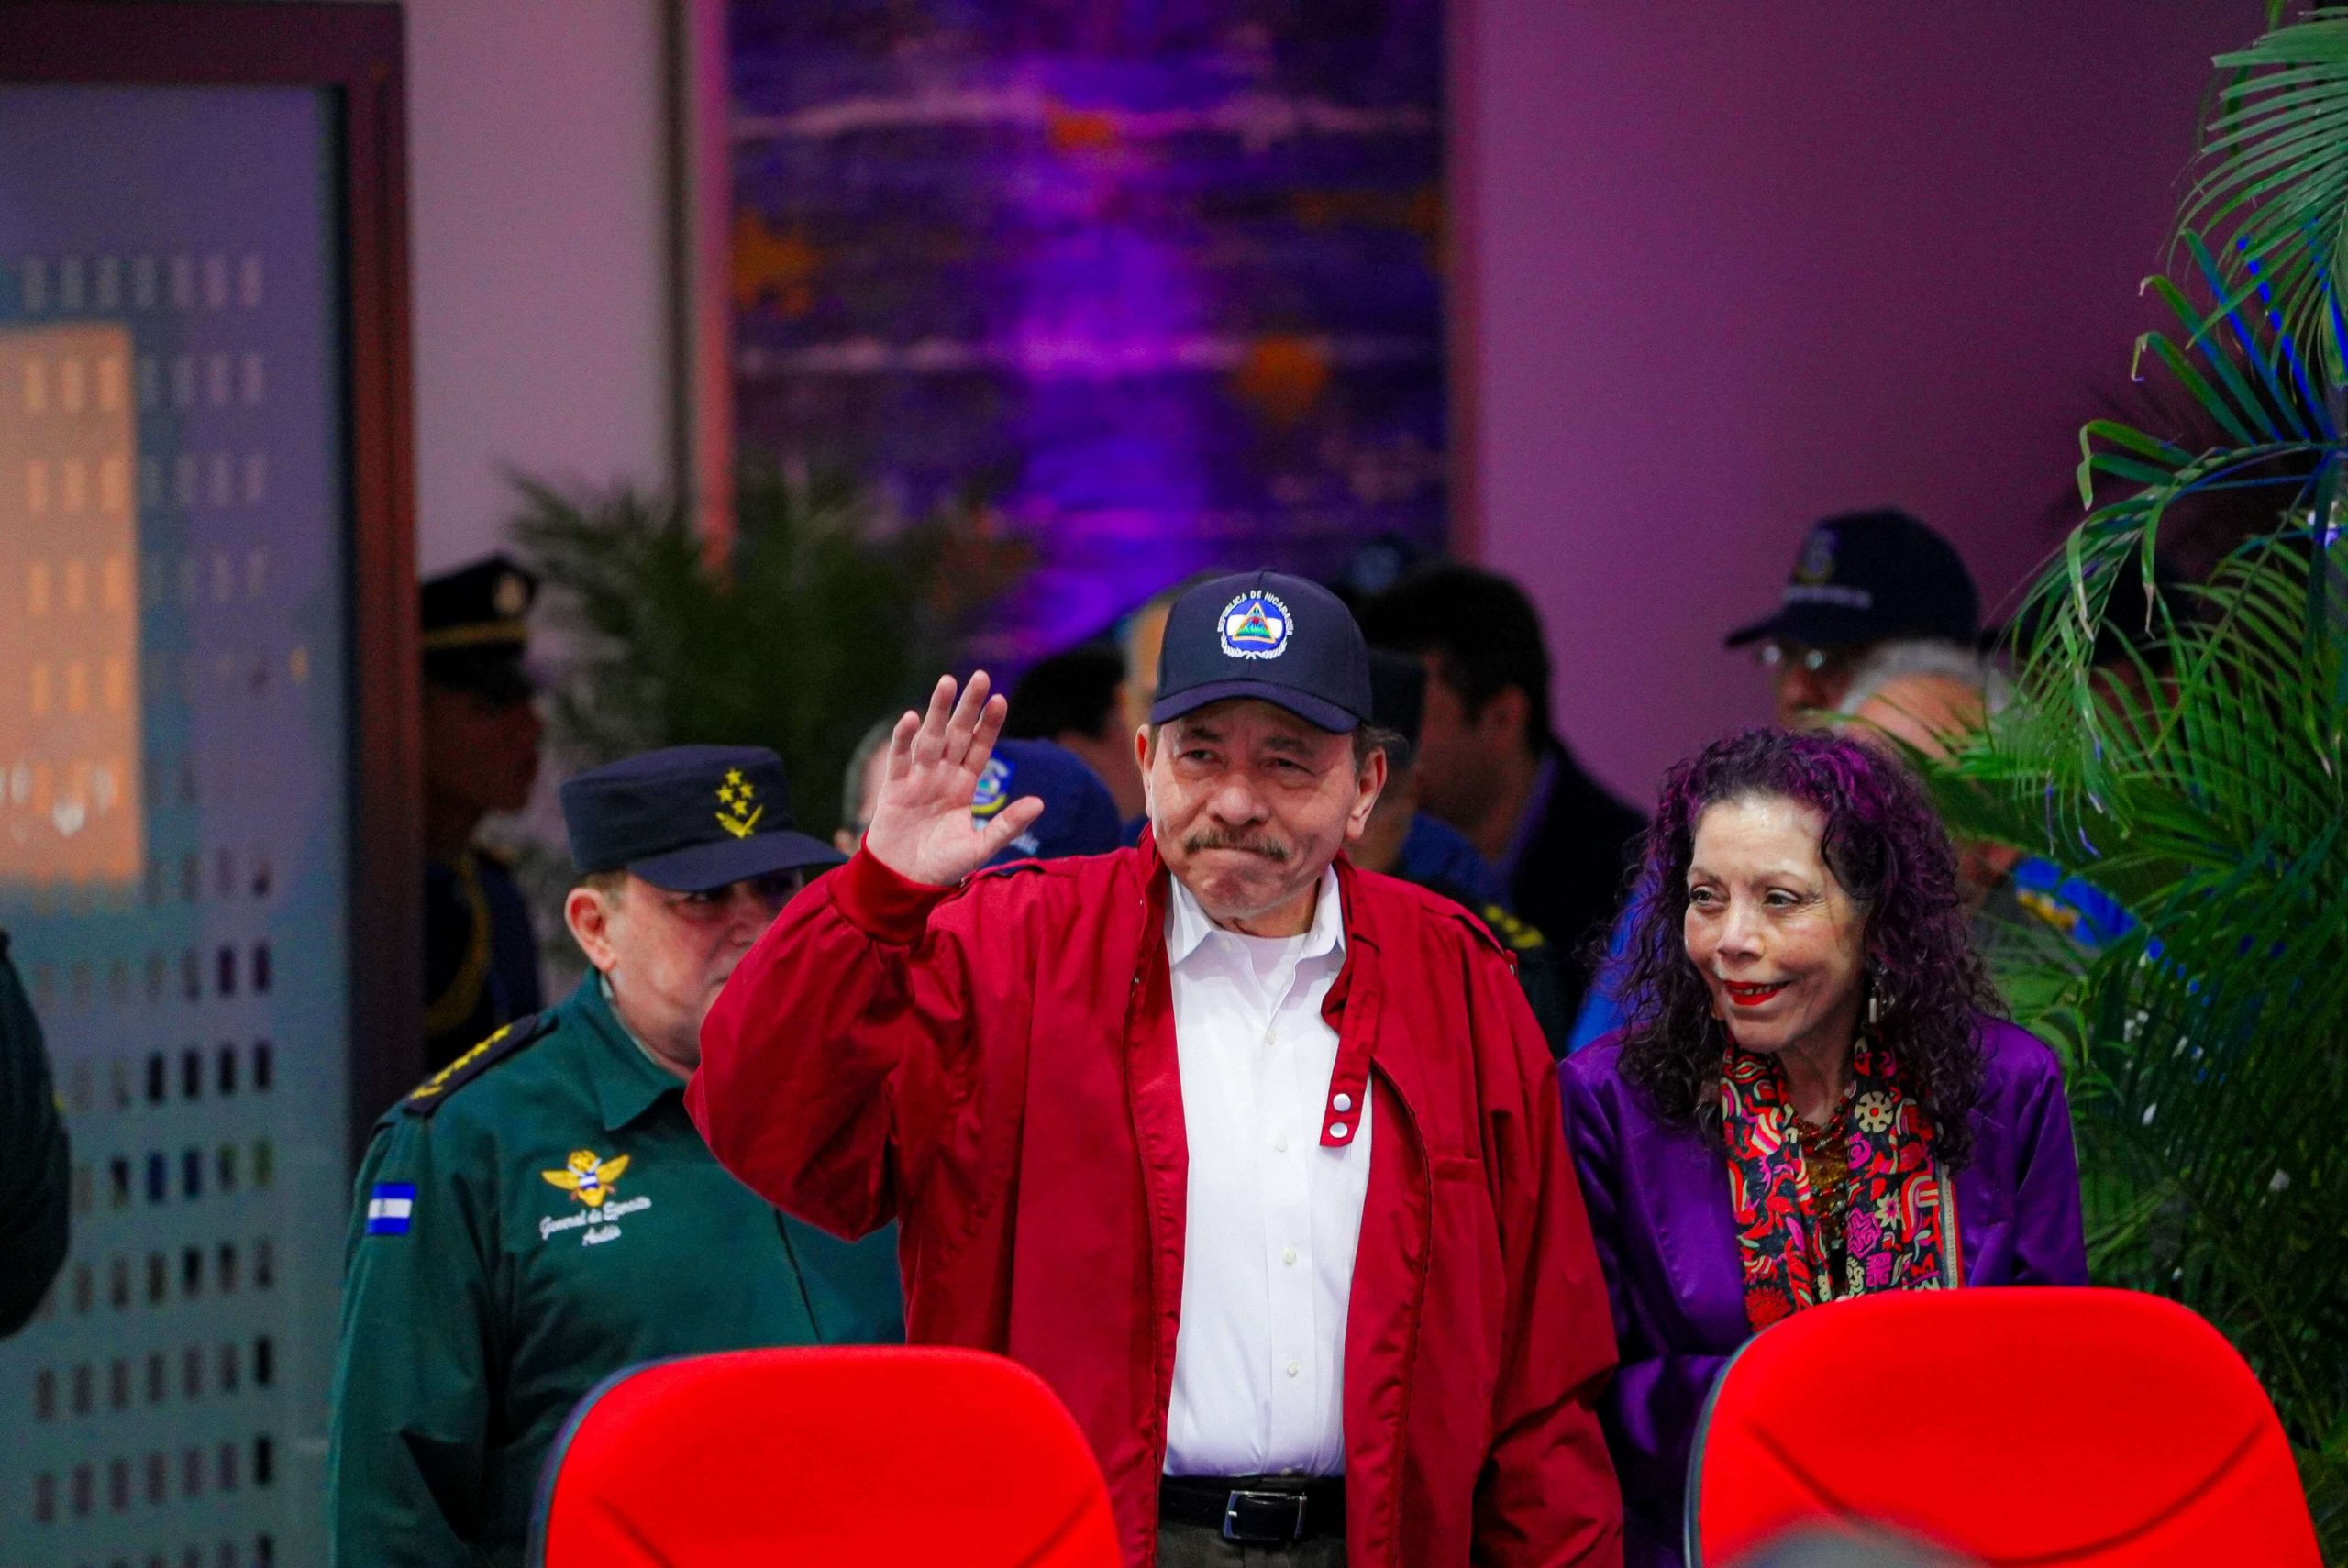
{"type": "Point", "coordinates": [1727, 268]}
{"type": "Point", "coordinates": [540, 217]}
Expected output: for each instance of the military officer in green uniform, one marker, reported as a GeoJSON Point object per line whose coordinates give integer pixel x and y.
{"type": "Point", "coordinates": [540, 1213]}
{"type": "Point", "coordinates": [480, 754]}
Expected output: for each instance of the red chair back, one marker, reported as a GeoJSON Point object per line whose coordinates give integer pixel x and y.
{"type": "Point", "coordinates": [2093, 1428]}
{"type": "Point", "coordinates": [859, 1455]}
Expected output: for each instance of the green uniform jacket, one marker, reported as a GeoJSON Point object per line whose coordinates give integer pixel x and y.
{"type": "Point", "coordinates": [531, 1219]}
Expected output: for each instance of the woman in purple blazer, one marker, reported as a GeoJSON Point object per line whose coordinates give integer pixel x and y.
{"type": "Point", "coordinates": [1809, 1100]}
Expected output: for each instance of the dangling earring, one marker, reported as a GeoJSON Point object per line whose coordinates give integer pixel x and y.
{"type": "Point", "coordinates": [1875, 1004]}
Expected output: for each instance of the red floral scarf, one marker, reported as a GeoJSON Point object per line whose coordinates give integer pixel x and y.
{"type": "Point", "coordinates": [1893, 1227]}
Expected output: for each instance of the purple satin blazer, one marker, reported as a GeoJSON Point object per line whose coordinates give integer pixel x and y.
{"type": "Point", "coordinates": [1659, 1210]}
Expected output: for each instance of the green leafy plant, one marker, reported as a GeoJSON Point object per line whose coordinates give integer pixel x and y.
{"type": "Point", "coordinates": [2194, 767]}
{"type": "Point", "coordinates": [821, 616]}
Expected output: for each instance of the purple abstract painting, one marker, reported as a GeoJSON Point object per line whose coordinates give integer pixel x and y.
{"type": "Point", "coordinates": [1160, 283]}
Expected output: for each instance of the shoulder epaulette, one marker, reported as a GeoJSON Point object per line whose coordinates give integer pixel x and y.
{"type": "Point", "coordinates": [1512, 932]}
{"type": "Point", "coordinates": [1461, 908]}
{"type": "Point", "coordinates": [1008, 868]}
{"type": "Point", "coordinates": [1460, 915]}
{"type": "Point", "coordinates": [433, 1092]}
{"type": "Point", "coordinates": [2050, 911]}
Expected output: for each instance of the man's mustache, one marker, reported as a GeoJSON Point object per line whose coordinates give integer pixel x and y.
{"type": "Point", "coordinates": [1269, 848]}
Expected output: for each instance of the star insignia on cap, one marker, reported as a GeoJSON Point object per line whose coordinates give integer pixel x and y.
{"type": "Point", "coordinates": [736, 815]}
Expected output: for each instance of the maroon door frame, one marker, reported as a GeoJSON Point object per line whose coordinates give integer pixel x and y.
{"type": "Point", "coordinates": [355, 50]}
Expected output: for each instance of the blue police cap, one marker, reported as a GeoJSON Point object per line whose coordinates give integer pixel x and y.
{"type": "Point", "coordinates": [689, 818]}
{"type": "Point", "coordinates": [1869, 576]}
{"type": "Point", "coordinates": [1265, 635]}
{"type": "Point", "coordinates": [1080, 814]}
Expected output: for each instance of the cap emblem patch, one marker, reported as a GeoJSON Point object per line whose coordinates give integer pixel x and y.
{"type": "Point", "coordinates": [1255, 625]}
{"type": "Point", "coordinates": [510, 596]}
{"type": "Point", "coordinates": [735, 812]}
{"type": "Point", "coordinates": [994, 790]}
{"type": "Point", "coordinates": [1817, 562]}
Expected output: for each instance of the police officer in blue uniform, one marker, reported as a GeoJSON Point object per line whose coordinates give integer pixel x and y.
{"type": "Point", "coordinates": [480, 754]}
{"type": "Point", "coordinates": [541, 1213]}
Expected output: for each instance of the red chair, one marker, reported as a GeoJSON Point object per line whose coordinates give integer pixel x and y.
{"type": "Point", "coordinates": [2091, 1429]}
{"type": "Point", "coordinates": [862, 1456]}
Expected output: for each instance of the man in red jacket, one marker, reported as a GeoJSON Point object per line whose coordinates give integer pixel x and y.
{"type": "Point", "coordinates": [1254, 1157]}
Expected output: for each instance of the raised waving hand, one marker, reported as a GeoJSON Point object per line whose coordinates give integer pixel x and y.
{"type": "Point", "coordinates": [922, 826]}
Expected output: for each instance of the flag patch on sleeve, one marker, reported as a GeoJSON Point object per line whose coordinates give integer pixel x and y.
{"type": "Point", "coordinates": [389, 1207]}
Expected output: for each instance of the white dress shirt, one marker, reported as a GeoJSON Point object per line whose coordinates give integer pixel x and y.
{"type": "Point", "coordinates": [1273, 1216]}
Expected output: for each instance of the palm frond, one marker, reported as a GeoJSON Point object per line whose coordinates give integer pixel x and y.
{"type": "Point", "coordinates": [2209, 1083]}
{"type": "Point", "coordinates": [828, 616]}
{"type": "Point", "coordinates": [2273, 185]}
{"type": "Point", "coordinates": [2180, 744]}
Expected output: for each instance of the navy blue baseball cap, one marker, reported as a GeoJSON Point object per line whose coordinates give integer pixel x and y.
{"type": "Point", "coordinates": [1080, 814]}
{"type": "Point", "coordinates": [1872, 577]}
{"type": "Point", "coordinates": [689, 818]}
{"type": "Point", "coordinates": [1266, 635]}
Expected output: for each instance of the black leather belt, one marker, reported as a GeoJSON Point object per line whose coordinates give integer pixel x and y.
{"type": "Point", "coordinates": [1256, 1508]}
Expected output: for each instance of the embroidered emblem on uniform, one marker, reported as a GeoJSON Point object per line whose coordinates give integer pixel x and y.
{"type": "Point", "coordinates": [995, 788]}
{"type": "Point", "coordinates": [1817, 562]}
{"type": "Point", "coordinates": [588, 1178]}
{"type": "Point", "coordinates": [391, 1208]}
{"type": "Point", "coordinates": [1255, 625]}
{"type": "Point", "coordinates": [735, 813]}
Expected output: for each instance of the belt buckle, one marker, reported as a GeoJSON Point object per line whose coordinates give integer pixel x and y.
{"type": "Point", "coordinates": [1231, 1530]}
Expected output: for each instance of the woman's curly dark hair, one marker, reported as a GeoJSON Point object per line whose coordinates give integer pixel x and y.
{"type": "Point", "coordinates": [1886, 846]}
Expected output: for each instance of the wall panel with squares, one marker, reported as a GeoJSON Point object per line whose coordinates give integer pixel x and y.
{"type": "Point", "coordinates": [184, 828]}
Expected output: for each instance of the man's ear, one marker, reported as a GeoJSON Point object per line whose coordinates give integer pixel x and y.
{"type": "Point", "coordinates": [1369, 779]}
{"type": "Point", "coordinates": [1501, 720]}
{"type": "Point", "coordinates": [1144, 745]}
{"type": "Point", "coordinates": [589, 916]}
